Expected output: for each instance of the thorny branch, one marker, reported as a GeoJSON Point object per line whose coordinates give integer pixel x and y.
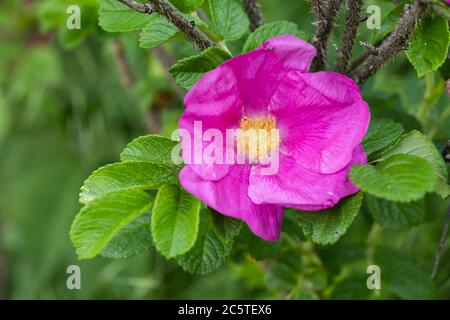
{"type": "Point", "coordinates": [352, 22]}
{"type": "Point", "coordinates": [324, 24]}
{"type": "Point", "coordinates": [395, 43]}
{"type": "Point", "coordinates": [254, 13]}
{"type": "Point", "coordinates": [168, 11]}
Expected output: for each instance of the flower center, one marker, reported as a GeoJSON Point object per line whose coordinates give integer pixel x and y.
{"type": "Point", "coordinates": [257, 138]}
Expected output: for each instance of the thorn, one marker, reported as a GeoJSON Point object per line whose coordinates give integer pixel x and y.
{"type": "Point", "coordinates": [336, 47]}
{"type": "Point", "coordinates": [373, 50]}
{"type": "Point", "coordinates": [363, 19]}
{"type": "Point", "coordinates": [148, 8]}
{"type": "Point", "coordinates": [316, 23]}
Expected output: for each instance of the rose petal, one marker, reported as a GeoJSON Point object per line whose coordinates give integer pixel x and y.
{"type": "Point", "coordinates": [214, 104]}
{"type": "Point", "coordinates": [297, 187]}
{"type": "Point", "coordinates": [258, 72]}
{"type": "Point", "coordinates": [229, 197]}
{"type": "Point", "coordinates": [321, 117]}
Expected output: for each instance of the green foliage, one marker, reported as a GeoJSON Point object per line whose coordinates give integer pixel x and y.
{"type": "Point", "coordinates": [150, 148]}
{"type": "Point", "coordinates": [353, 287]}
{"type": "Point", "coordinates": [429, 45]}
{"type": "Point", "coordinates": [134, 238]}
{"type": "Point", "coordinates": [175, 221]}
{"type": "Point", "coordinates": [402, 276]}
{"type": "Point", "coordinates": [229, 19]}
{"type": "Point", "coordinates": [121, 176]}
{"type": "Point", "coordinates": [210, 250]}
{"type": "Point", "coordinates": [400, 177]}
{"type": "Point", "coordinates": [115, 16]}
{"type": "Point", "coordinates": [122, 185]}
{"type": "Point", "coordinates": [381, 135]}
{"type": "Point", "coordinates": [86, 103]}
{"type": "Point", "coordinates": [187, 6]}
{"type": "Point", "coordinates": [226, 228]}
{"type": "Point", "coordinates": [396, 215]}
{"type": "Point", "coordinates": [157, 31]}
{"type": "Point", "coordinates": [188, 71]}
{"type": "Point", "coordinates": [417, 144]}
{"type": "Point", "coordinates": [258, 248]}
{"type": "Point", "coordinates": [326, 227]}
{"type": "Point", "coordinates": [102, 219]}
{"type": "Point", "coordinates": [270, 30]}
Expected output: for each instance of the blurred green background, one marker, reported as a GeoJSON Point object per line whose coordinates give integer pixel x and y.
{"type": "Point", "coordinates": [69, 103]}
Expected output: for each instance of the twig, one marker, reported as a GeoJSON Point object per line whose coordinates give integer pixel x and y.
{"type": "Point", "coordinates": [254, 13]}
{"type": "Point", "coordinates": [370, 48]}
{"type": "Point", "coordinates": [168, 11]}
{"type": "Point", "coordinates": [365, 55]}
{"type": "Point", "coordinates": [324, 27]}
{"type": "Point", "coordinates": [140, 7]}
{"type": "Point", "coordinates": [352, 22]}
{"type": "Point", "coordinates": [437, 257]}
{"type": "Point", "coordinates": [395, 43]}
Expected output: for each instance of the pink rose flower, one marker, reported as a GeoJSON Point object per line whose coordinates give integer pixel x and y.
{"type": "Point", "coordinates": [321, 119]}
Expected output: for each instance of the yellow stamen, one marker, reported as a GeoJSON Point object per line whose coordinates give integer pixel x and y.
{"type": "Point", "coordinates": [258, 138]}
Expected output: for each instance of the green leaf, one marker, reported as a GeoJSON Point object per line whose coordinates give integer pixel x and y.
{"type": "Point", "coordinates": [189, 70]}
{"type": "Point", "coordinates": [229, 19]}
{"type": "Point", "coordinates": [210, 249]}
{"type": "Point", "coordinates": [151, 148]}
{"type": "Point", "coordinates": [400, 178]}
{"type": "Point", "coordinates": [131, 240]}
{"type": "Point", "coordinates": [326, 227]}
{"type": "Point", "coordinates": [271, 30]}
{"type": "Point", "coordinates": [358, 232]}
{"type": "Point", "coordinates": [175, 220]}
{"type": "Point", "coordinates": [401, 275]}
{"type": "Point", "coordinates": [187, 6]}
{"type": "Point", "coordinates": [429, 45]}
{"type": "Point", "coordinates": [123, 176]}
{"type": "Point", "coordinates": [101, 220]}
{"type": "Point", "coordinates": [395, 215]}
{"type": "Point", "coordinates": [353, 287]}
{"type": "Point", "coordinates": [158, 31]}
{"type": "Point", "coordinates": [256, 247]}
{"type": "Point", "coordinates": [418, 144]}
{"type": "Point", "coordinates": [291, 227]}
{"type": "Point", "coordinates": [227, 228]}
{"type": "Point", "coordinates": [115, 16]}
{"type": "Point", "coordinates": [382, 134]}
{"type": "Point", "coordinates": [281, 276]}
